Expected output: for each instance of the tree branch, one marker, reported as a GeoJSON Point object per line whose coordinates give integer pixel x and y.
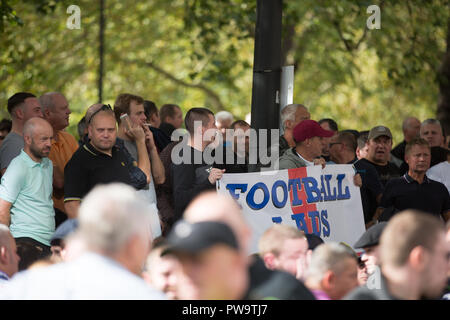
{"type": "Point", "coordinates": [215, 99]}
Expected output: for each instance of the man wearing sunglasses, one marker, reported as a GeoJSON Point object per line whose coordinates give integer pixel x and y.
{"type": "Point", "coordinates": [98, 161]}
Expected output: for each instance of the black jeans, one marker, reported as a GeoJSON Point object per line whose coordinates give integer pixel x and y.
{"type": "Point", "coordinates": [29, 251]}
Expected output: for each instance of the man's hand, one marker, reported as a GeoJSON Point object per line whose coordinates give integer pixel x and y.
{"type": "Point", "coordinates": [357, 180]}
{"type": "Point", "coordinates": [215, 174]}
{"type": "Point", "coordinates": [136, 133]}
{"type": "Point", "coordinates": [149, 141]}
{"type": "Point", "coordinates": [320, 161]}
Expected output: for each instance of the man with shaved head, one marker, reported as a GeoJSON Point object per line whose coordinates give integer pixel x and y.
{"type": "Point", "coordinates": [55, 110]}
{"type": "Point", "coordinates": [264, 283]}
{"type": "Point", "coordinates": [26, 204]}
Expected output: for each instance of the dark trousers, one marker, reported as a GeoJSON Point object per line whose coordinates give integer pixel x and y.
{"type": "Point", "coordinates": [29, 251]}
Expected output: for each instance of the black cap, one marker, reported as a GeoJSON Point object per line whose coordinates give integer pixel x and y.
{"type": "Point", "coordinates": [371, 237]}
{"type": "Point", "coordinates": [313, 240]}
{"type": "Point", "coordinates": [63, 230]}
{"type": "Point", "coordinates": [193, 238]}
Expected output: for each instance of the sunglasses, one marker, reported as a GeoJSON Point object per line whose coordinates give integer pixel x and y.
{"type": "Point", "coordinates": [104, 107]}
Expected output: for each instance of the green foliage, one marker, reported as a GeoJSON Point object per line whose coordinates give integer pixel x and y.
{"type": "Point", "coordinates": [200, 53]}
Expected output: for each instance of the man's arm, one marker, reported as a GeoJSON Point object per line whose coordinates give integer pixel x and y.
{"type": "Point", "coordinates": [5, 216]}
{"type": "Point", "coordinates": [158, 171]}
{"type": "Point", "coordinates": [71, 207]}
{"type": "Point", "coordinates": [143, 161]}
{"type": "Point", "coordinates": [58, 177]}
{"type": "Point", "coordinates": [157, 167]}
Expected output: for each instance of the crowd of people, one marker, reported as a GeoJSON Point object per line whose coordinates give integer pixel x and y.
{"type": "Point", "coordinates": [130, 211]}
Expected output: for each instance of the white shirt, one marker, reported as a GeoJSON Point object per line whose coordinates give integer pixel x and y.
{"type": "Point", "coordinates": [308, 163]}
{"type": "Point", "coordinates": [441, 173]}
{"type": "Point", "coordinates": [90, 277]}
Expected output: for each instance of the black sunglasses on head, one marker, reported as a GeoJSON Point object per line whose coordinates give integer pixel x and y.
{"type": "Point", "coordinates": [104, 107]}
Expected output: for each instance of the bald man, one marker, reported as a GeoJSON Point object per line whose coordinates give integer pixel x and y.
{"type": "Point", "coordinates": [56, 111]}
{"type": "Point", "coordinates": [26, 204]}
{"type": "Point", "coordinates": [100, 160]}
{"type": "Point", "coordinates": [264, 283]}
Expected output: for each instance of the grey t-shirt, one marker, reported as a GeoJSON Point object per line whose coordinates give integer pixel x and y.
{"type": "Point", "coordinates": [10, 149]}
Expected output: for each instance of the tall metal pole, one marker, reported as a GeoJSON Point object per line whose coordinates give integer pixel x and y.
{"type": "Point", "coordinates": [267, 65]}
{"type": "Point", "coordinates": [266, 73]}
{"type": "Point", "coordinates": [101, 54]}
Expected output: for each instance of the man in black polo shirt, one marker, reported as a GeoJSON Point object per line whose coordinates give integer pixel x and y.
{"type": "Point", "coordinates": [99, 161]}
{"type": "Point", "coordinates": [415, 190]}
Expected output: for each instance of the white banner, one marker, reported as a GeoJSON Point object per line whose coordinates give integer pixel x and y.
{"type": "Point", "coordinates": [321, 201]}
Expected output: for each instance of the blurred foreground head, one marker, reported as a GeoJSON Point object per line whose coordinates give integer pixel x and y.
{"type": "Point", "coordinates": [210, 258]}
{"type": "Point", "coordinates": [114, 222]}
{"type": "Point", "coordinates": [211, 206]}
{"type": "Point", "coordinates": [414, 255]}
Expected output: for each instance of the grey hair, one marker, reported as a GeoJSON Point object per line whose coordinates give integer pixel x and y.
{"type": "Point", "coordinates": [288, 113]}
{"type": "Point", "coordinates": [431, 121]}
{"type": "Point", "coordinates": [224, 115]}
{"type": "Point", "coordinates": [110, 215]}
{"type": "Point", "coordinates": [327, 256]}
{"type": "Point", "coordinates": [46, 101]}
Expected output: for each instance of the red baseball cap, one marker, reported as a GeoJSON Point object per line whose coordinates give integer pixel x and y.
{"type": "Point", "coordinates": [308, 129]}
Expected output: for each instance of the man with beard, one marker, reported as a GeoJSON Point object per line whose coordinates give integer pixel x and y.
{"type": "Point", "coordinates": [99, 161]}
{"type": "Point", "coordinates": [26, 204]}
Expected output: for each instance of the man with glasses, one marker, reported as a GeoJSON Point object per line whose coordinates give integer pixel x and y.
{"type": "Point", "coordinates": [343, 151]}
{"type": "Point", "coordinates": [98, 161]}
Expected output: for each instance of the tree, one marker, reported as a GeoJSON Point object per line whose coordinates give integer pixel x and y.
{"type": "Point", "coordinates": [200, 53]}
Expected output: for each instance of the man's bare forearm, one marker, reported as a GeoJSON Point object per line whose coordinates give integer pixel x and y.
{"type": "Point", "coordinates": [5, 215]}
{"type": "Point", "coordinates": [158, 172]}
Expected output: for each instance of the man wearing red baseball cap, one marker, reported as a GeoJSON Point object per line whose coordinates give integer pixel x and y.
{"type": "Point", "coordinates": [309, 138]}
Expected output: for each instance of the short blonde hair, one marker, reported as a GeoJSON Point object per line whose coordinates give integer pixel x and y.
{"type": "Point", "coordinates": [272, 240]}
{"type": "Point", "coordinates": [406, 231]}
